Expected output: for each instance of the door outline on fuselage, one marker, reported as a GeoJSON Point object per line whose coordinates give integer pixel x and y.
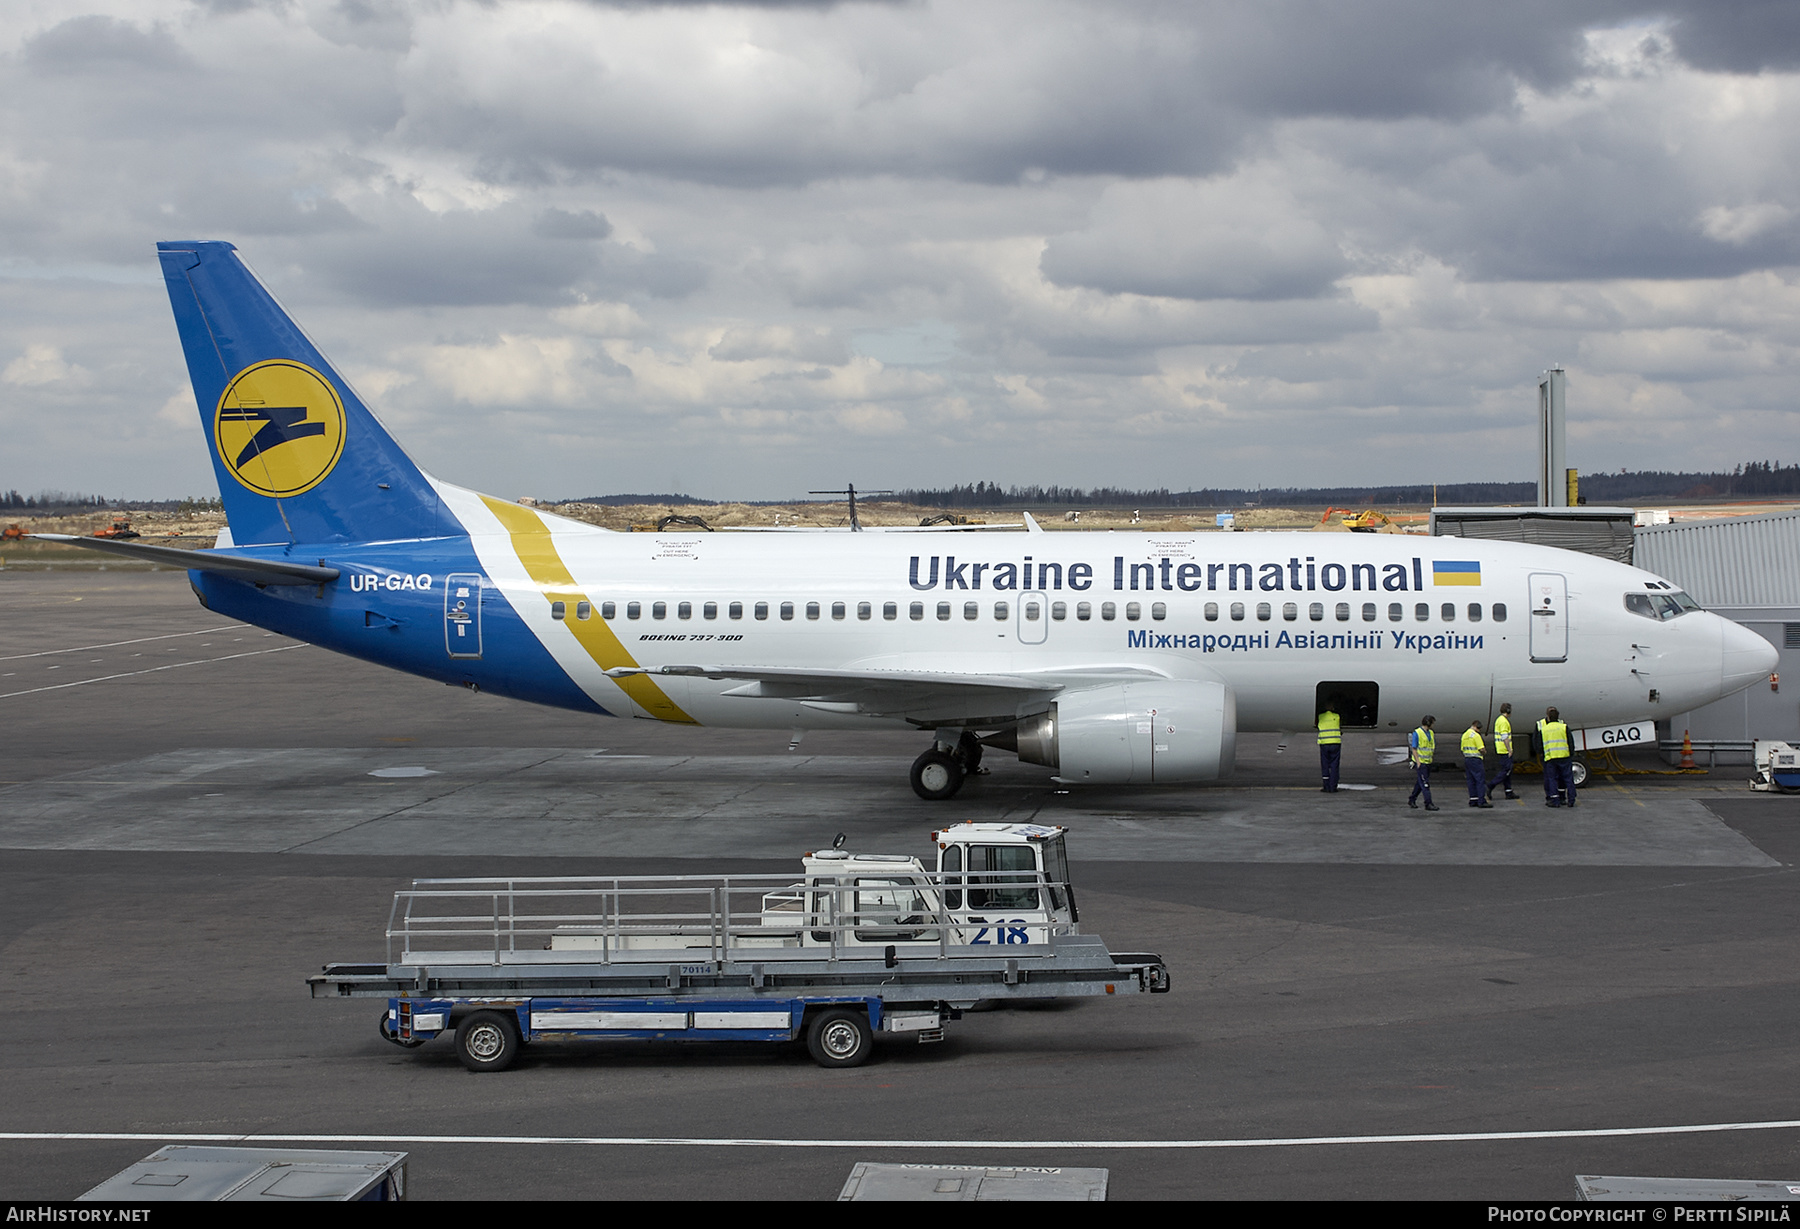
{"type": "Point", "coordinates": [1033, 617]}
{"type": "Point", "coordinates": [462, 614]}
{"type": "Point", "coordinates": [1549, 615]}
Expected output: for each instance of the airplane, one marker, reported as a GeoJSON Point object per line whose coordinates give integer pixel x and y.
{"type": "Point", "coordinates": [1109, 658]}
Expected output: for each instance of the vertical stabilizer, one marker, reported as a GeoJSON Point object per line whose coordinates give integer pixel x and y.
{"type": "Point", "coordinates": [299, 457]}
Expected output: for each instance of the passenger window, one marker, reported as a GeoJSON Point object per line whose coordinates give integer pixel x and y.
{"type": "Point", "coordinates": [1368, 612]}
{"type": "Point", "coordinates": [1159, 610]}
{"type": "Point", "coordinates": [1422, 612]}
{"type": "Point", "coordinates": [812, 610]}
{"type": "Point", "coordinates": [556, 610]}
{"type": "Point", "coordinates": [1108, 611]}
{"type": "Point", "coordinates": [1032, 609]}
{"type": "Point", "coordinates": [787, 610]}
{"type": "Point", "coordinates": [837, 610]}
{"type": "Point", "coordinates": [1084, 611]}
{"type": "Point", "coordinates": [1002, 611]}
{"type": "Point", "coordinates": [916, 611]}
{"type": "Point", "coordinates": [710, 610]}
{"type": "Point", "coordinates": [1448, 612]}
{"type": "Point", "coordinates": [971, 610]}
{"type": "Point", "coordinates": [1058, 610]}
{"type": "Point", "coordinates": [762, 610]}
{"type": "Point", "coordinates": [685, 610]}
{"type": "Point", "coordinates": [864, 610]}
{"type": "Point", "coordinates": [1474, 612]}
{"type": "Point", "coordinates": [1395, 612]}
{"type": "Point", "coordinates": [1133, 610]}
{"type": "Point", "coordinates": [1316, 612]}
{"type": "Point", "coordinates": [659, 610]}
{"type": "Point", "coordinates": [1211, 612]}
{"type": "Point", "coordinates": [608, 610]}
{"type": "Point", "coordinates": [1290, 611]}
{"type": "Point", "coordinates": [735, 610]}
{"type": "Point", "coordinates": [943, 611]}
{"type": "Point", "coordinates": [1237, 611]}
{"type": "Point", "coordinates": [583, 610]}
{"type": "Point", "coordinates": [891, 610]}
{"type": "Point", "coordinates": [1499, 612]}
{"type": "Point", "coordinates": [1343, 612]}
{"type": "Point", "coordinates": [633, 610]}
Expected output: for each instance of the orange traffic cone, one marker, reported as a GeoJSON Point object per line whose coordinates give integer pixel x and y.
{"type": "Point", "coordinates": [1687, 751]}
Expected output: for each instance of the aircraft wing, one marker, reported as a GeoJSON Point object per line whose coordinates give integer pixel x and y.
{"type": "Point", "coordinates": [238, 567]}
{"type": "Point", "coordinates": [917, 695]}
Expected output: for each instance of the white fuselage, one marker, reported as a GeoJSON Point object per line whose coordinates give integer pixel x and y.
{"type": "Point", "coordinates": [1439, 625]}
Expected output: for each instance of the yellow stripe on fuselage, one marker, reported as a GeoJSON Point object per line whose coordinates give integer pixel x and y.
{"type": "Point", "coordinates": [531, 541]}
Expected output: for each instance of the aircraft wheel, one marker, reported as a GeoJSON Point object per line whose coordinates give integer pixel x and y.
{"type": "Point", "coordinates": [488, 1041]}
{"type": "Point", "coordinates": [840, 1038]}
{"type": "Point", "coordinates": [968, 750]}
{"type": "Point", "coordinates": [1578, 772]}
{"type": "Point", "coordinates": [937, 775]}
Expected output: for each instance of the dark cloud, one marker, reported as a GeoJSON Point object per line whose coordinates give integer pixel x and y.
{"type": "Point", "coordinates": [96, 44]}
{"type": "Point", "coordinates": [562, 224]}
{"type": "Point", "coordinates": [1739, 36]}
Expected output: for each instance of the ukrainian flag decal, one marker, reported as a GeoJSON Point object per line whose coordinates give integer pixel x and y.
{"type": "Point", "coordinates": [1455, 572]}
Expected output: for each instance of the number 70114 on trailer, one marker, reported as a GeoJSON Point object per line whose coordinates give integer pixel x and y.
{"type": "Point", "coordinates": [860, 945]}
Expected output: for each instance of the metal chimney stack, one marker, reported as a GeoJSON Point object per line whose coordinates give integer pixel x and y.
{"type": "Point", "coordinates": [1553, 472]}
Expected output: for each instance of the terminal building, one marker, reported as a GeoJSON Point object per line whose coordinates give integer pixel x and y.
{"type": "Point", "coordinates": [1746, 568]}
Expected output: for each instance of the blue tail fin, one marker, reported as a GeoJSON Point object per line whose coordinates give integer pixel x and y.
{"type": "Point", "coordinates": [299, 457]}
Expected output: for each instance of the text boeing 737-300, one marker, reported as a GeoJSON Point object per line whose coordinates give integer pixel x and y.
{"type": "Point", "coordinates": [1108, 658]}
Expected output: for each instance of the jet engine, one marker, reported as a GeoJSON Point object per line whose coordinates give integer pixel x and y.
{"type": "Point", "coordinates": [1132, 734]}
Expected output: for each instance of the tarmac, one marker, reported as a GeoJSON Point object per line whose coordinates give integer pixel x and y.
{"type": "Point", "coordinates": [1369, 1001]}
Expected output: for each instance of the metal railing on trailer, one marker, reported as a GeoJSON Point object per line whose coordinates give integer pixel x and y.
{"type": "Point", "coordinates": [606, 920]}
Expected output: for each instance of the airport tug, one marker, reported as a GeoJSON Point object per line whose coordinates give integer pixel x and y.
{"type": "Point", "coordinates": [861, 944]}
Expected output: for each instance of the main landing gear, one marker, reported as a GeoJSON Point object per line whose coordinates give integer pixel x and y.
{"type": "Point", "coordinates": [941, 770]}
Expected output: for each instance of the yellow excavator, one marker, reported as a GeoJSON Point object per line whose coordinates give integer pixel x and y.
{"type": "Point", "coordinates": [1357, 522]}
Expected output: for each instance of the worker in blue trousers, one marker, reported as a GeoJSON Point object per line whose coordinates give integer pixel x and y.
{"type": "Point", "coordinates": [1503, 754]}
{"type": "Point", "coordinates": [1474, 751]}
{"type": "Point", "coordinates": [1331, 746]}
{"type": "Point", "coordinates": [1422, 746]}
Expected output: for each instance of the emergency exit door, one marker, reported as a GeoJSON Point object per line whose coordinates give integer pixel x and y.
{"type": "Point", "coordinates": [1549, 617]}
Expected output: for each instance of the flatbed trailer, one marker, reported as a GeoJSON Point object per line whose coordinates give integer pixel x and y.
{"type": "Point", "coordinates": [859, 946]}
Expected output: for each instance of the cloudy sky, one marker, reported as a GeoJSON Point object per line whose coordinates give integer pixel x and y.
{"type": "Point", "coordinates": [571, 248]}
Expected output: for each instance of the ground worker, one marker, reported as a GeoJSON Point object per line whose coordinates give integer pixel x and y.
{"type": "Point", "coordinates": [1502, 753]}
{"type": "Point", "coordinates": [1422, 744]}
{"type": "Point", "coordinates": [1559, 773]}
{"type": "Point", "coordinates": [1474, 747]}
{"type": "Point", "coordinates": [1331, 745]}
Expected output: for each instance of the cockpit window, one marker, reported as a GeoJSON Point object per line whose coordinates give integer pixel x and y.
{"type": "Point", "coordinates": [1671, 604]}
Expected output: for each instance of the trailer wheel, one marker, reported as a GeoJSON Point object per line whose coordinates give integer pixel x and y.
{"type": "Point", "coordinates": [1578, 773]}
{"type": "Point", "coordinates": [488, 1041]}
{"type": "Point", "coordinates": [840, 1038]}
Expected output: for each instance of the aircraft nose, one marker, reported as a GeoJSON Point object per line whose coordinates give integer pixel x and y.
{"type": "Point", "coordinates": [1746, 658]}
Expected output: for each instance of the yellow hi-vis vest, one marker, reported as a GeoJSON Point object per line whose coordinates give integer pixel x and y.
{"type": "Point", "coordinates": [1424, 742]}
{"type": "Point", "coordinates": [1502, 735]}
{"type": "Point", "coordinates": [1331, 729]}
{"type": "Point", "coordinates": [1472, 744]}
{"type": "Point", "coordinates": [1556, 739]}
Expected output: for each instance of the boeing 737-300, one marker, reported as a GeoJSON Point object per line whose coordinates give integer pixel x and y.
{"type": "Point", "coordinates": [1115, 658]}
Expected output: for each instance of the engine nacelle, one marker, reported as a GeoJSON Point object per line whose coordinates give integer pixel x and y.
{"type": "Point", "coordinates": [1135, 734]}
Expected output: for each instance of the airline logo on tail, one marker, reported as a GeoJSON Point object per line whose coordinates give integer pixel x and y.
{"type": "Point", "coordinates": [279, 428]}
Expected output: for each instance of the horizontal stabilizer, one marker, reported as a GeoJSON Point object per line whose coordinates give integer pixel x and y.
{"type": "Point", "coordinates": [238, 567]}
